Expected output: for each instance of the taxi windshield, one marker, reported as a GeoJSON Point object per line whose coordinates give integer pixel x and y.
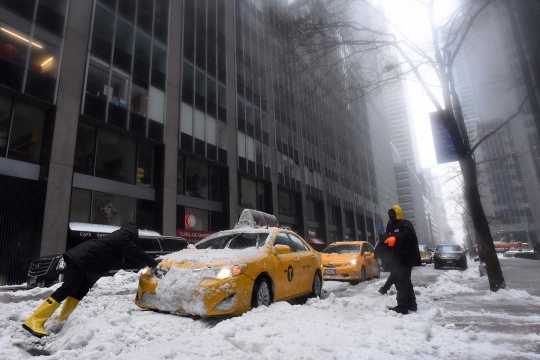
{"type": "Point", "coordinates": [342, 249]}
{"type": "Point", "coordinates": [236, 241]}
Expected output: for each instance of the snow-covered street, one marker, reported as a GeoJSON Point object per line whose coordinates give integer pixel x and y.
{"type": "Point", "coordinates": [457, 319]}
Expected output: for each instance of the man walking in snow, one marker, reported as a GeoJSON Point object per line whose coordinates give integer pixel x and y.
{"type": "Point", "coordinates": [383, 252]}
{"type": "Point", "coordinates": [86, 263]}
{"type": "Point", "coordinates": [403, 243]}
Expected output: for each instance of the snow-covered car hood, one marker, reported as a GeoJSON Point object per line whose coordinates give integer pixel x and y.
{"type": "Point", "coordinates": [212, 257]}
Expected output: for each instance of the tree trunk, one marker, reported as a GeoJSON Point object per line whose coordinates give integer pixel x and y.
{"type": "Point", "coordinates": [472, 197]}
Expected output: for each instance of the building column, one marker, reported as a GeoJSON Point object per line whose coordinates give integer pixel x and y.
{"type": "Point", "coordinates": [174, 63]}
{"type": "Point", "coordinates": [70, 88]}
{"type": "Point", "coordinates": [232, 157]}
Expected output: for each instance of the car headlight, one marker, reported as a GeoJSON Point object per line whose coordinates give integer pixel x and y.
{"type": "Point", "coordinates": [352, 262]}
{"type": "Point", "coordinates": [61, 264]}
{"type": "Point", "coordinates": [229, 272]}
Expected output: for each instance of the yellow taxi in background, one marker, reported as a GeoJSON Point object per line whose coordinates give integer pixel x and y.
{"type": "Point", "coordinates": [352, 261]}
{"type": "Point", "coordinates": [425, 254]}
{"type": "Point", "coordinates": [233, 271]}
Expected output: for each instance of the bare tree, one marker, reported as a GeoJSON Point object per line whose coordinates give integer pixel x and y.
{"type": "Point", "coordinates": [331, 36]}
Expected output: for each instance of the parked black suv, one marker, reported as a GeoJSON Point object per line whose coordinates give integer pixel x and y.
{"type": "Point", "coordinates": [450, 255]}
{"type": "Point", "coordinates": [48, 270]}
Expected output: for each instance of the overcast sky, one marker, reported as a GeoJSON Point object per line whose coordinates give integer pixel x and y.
{"type": "Point", "coordinates": [411, 19]}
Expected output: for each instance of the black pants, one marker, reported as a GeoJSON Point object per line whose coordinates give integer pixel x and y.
{"type": "Point", "coordinates": [391, 280]}
{"type": "Point", "coordinates": [76, 284]}
{"type": "Point", "coordinates": [405, 292]}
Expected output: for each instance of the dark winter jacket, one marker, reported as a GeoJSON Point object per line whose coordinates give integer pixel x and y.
{"type": "Point", "coordinates": [405, 251]}
{"type": "Point", "coordinates": [384, 253]}
{"type": "Point", "coordinates": [97, 256]}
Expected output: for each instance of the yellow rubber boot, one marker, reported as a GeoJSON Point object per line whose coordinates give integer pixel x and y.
{"type": "Point", "coordinates": [69, 305]}
{"type": "Point", "coordinates": [35, 323]}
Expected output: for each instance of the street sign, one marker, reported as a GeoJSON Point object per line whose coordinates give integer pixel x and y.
{"type": "Point", "coordinates": [444, 148]}
{"type": "Point", "coordinates": [380, 225]}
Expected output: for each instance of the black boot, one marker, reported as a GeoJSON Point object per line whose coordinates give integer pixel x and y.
{"type": "Point", "coordinates": [383, 291]}
{"type": "Point", "coordinates": [413, 307]}
{"type": "Point", "coordinates": [399, 310]}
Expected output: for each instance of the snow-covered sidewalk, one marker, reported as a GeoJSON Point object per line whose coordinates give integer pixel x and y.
{"type": "Point", "coordinates": [350, 322]}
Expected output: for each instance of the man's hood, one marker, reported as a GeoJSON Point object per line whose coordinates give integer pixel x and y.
{"type": "Point", "coordinates": [131, 230]}
{"type": "Point", "coordinates": [399, 212]}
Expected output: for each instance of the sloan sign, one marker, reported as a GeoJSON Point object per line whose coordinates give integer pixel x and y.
{"type": "Point", "coordinates": [192, 236]}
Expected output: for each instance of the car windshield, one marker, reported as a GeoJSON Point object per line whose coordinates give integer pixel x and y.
{"type": "Point", "coordinates": [449, 248]}
{"type": "Point", "coordinates": [422, 247]}
{"type": "Point", "coordinates": [236, 241]}
{"type": "Point", "coordinates": [342, 249]}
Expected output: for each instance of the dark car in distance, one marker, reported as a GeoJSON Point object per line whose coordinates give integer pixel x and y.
{"type": "Point", "coordinates": [49, 270]}
{"type": "Point", "coordinates": [450, 256]}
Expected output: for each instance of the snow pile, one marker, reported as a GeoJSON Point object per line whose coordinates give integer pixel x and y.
{"type": "Point", "coordinates": [215, 256]}
{"type": "Point", "coordinates": [452, 283]}
{"type": "Point", "coordinates": [179, 289]}
{"type": "Point", "coordinates": [510, 295]}
{"type": "Point", "coordinates": [352, 322]}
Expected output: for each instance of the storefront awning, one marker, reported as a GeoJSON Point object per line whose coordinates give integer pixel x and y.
{"type": "Point", "coordinates": [317, 241]}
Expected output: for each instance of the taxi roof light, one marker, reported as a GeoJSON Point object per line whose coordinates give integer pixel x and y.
{"type": "Point", "coordinates": [256, 219]}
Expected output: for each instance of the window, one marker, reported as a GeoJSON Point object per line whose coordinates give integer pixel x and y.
{"type": "Point", "coordinates": [282, 239]}
{"type": "Point", "coordinates": [81, 201]}
{"type": "Point", "coordinates": [196, 176]}
{"type": "Point", "coordinates": [248, 193]}
{"type": "Point", "coordinates": [85, 150]}
{"type": "Point", "coordinates": [149, 244]}
{"type": "Point", "coordinates": [96, 89]}
{"type": "Point", "coordinates": [31, 50]}
{"type": "Point", "coordinates": [297, 244]}
{"type": "Point", "coordinates": [201, 219]}
{"type": "Point", "coordinates": [111, 209]}
{"type": "Point", "coordinates": [26, 133]}
{"type": "Point", "coordinates": [144, 165]}
{"type": "Point", "coordinates": [5, 120]}
{"type": "Point", "coordinates": [115, 158]}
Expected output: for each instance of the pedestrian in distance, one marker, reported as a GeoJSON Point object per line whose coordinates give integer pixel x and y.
{"type": "Point", "coordinates": [384, 253]}
{"type": "Point", "coordinates": [86, 263]}
{"type": "Point", "coordinates": [403, 243]}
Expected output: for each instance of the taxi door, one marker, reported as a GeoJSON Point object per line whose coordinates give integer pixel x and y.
{"type": "Point", "coordinates": [369, 260]}
{"type": "Point", "coordinates": [306, 261]}
{"type": "Point", "coordinates": [286, 271]}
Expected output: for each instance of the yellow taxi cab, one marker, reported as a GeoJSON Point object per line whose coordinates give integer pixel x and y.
{"type": "Point", "coordinates": [425, 254]}
{"type": "Point", "coordinates": [233, 271]}
{"type": "Point", "coordinates": [352, 261]}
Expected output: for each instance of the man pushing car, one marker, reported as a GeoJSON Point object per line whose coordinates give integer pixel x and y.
{"type": "Point", "coordinates": [86, 263]}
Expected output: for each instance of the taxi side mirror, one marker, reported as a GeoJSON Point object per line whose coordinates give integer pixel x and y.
{"type": "Point", "coordinates": [367, 253]}
{"type": "Point", "coordinates": [281, 249]}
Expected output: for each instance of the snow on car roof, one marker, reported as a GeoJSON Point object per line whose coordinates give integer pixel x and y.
{"type": "Point", "coordinates": [214, 256]}
{"type": "Point", "coordinates": [97, 228]}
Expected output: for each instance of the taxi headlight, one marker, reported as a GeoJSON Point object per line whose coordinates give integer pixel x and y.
{"type": "Point", "coordinates": [229, 272]}
{"type": "Point", "coordinates": [352, 262]}
{"type": "Point", "coordinates": [145, 271]}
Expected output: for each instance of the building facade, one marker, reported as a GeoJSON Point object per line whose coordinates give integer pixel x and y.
{"type": "Point", "coordinates": [495, 74]}
{"type": "Point", "coordinates": [164, 111]}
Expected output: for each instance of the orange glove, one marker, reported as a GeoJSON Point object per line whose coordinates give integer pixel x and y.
{"type": "Point", "coordinates": [391, 241]}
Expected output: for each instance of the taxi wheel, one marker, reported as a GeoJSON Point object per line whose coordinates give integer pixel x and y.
{"type": "Point", "coordinates": [363, 276]}
{"type": "Point", "coordinates": [316, 287]}
{"type": "Point", "coordinates": [261, 294]}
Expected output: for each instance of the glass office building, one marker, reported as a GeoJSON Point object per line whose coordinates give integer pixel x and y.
{"type": "Point", "coordinates": [174, 114]}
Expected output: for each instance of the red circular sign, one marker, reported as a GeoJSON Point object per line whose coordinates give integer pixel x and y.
{"type": "Point", "coordinates": [190, 221]}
